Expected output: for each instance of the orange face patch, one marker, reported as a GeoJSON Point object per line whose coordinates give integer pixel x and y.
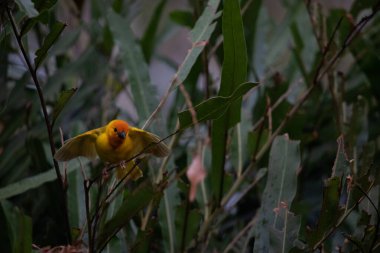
{"type": "Point", "coordinates": [117, 131]}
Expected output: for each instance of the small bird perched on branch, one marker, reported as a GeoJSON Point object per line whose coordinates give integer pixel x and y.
{"type": "Point", "coordinates": [114, 143]}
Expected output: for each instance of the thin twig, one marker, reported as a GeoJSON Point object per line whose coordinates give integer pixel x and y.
{"type": "Point", "coordinates": [343, 218]}
{"type": "Point", "coordinates": [377, 213]}
{"type": "Point", "coordinates": [348, 237]}
{"type": "Point", "coordinates": [145, 220]}
{"type": "Point", "coordinates": [314, 25]}
{"type": "Point", "coordinates": [100, 210]}
{"type": "Point", "coordinates": [198, 152]}
{"type": "Point", "coordinates": [158, 108]}
{"type": "Point", "coordinates": [239, 235]}
{"type": "Point", "coordinates": [274, 106]}
{"type": "Point", "coordinates": [86, 187]}
{"type": "Point", "coordinates": [269, 116]}
{"type": "Point", "coordinates": [33, 73]}
{"type": "Point", "coordinates": [355, 31]}
{"type": "Point", "coordinates": [194, 119]}
{"type": "Point", "coordinates": [100, 206]}
{"type": "Point", "coordinates": [317, 77]}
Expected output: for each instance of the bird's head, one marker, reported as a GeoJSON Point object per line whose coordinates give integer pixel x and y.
{"type": "Point", "coordinates": [117, 131]}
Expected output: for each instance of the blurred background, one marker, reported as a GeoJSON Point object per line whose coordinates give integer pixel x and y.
{"type": "Point", "coordinates": [285, 41]}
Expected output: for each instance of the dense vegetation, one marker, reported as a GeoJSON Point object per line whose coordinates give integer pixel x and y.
{"type": "Point", "coordinates": [271, 110]}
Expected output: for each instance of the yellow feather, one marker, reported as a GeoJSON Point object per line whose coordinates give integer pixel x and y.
{"type": "Point", "coordinates": [149, 143]}
{"type": "Point", "coordinates": [81, 145]}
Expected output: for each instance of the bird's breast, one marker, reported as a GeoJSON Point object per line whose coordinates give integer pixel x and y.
{"type": "Point", "coordinates": [111, 153]}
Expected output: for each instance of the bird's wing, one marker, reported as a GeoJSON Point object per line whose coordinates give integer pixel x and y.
{"type": "Point", "coordinates": [148, 142]}
{"type": "Point", "coordinates": [81, 145]}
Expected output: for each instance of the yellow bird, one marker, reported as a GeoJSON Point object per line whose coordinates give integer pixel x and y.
{"type": "Point", "coordinates": [114, 143]}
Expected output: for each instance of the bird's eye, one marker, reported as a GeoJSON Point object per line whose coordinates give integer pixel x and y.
{"type": "Point", "coordinates": [115, 129]}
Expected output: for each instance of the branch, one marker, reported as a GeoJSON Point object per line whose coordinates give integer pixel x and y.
{"type": "Point", "coordinates": [86, 187]}
{"type": "Point", "coordinates": [324, 238]}
{"type": "Point", "coordinates": [377, 213]}
{"type": "Point", "coordinates": [33, 73]}
{"type": "Point", "coordinates": [317, 77]}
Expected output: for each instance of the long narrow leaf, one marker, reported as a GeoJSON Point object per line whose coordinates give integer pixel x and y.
{"type": "Point", "coordinates": [199, 35]}
{"type": "Point", "coordinates": [280, 189]}
{"type": "Point", "coordinates": [283, 240]}
{"type": "Point", "coordinates": [27, 6]}
{"type": "Point", "coordinates": [31, 183]}
{"type": "Point", "coordinates": [234, 72]}
{"type": "Point", "coordinates": [18, 231]}
{"type": "Point", "coordinates": [215, 107]}
{"type": "Point", "coordinates": [341, 165]}
{"type": "Point", "coordinates": [142, 89]}
{"type": "Point", "coordinates": [167, 214]}
{"type": "Point", "coordinates": [132, 204]}
{"type": "Point", "coordinates": [50, 39]}
{"type": "Point", "coordinates": [148, 40]}
{"type": "Point", "coordinates": [64, 97]}
{"type": "Point", "coordinates": [330, 212]}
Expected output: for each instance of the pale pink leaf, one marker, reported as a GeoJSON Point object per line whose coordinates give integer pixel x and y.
{"type": "Point", "coordinates": [195, 173]}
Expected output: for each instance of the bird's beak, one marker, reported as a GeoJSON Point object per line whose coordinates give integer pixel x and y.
{"type": "Point", "coordinates": [121, 135]}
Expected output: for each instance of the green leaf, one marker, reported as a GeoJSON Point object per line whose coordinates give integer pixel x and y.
{"type": "Point", "coordinates": [148, 40]}
{"type": "Point", "coordinates": [27, 6]}
{"type": "Point", "coordinates": [360, 5]}
{"type": "Point", "coordinates": [35, 149]}
{"type": "Point", "coordinates": [367, 57]}
{"type": "Point", "coordinates": [193, 221]}
{"type": "Point", "coordinates": [330, 212]}
{"type": "Point", "coordinates": [234, 72]}
{"type": "Point", "coordinates": [184, 18]}
{"type": "Point", "coordinates": [283, 240]}
{"type": "Point", "coordinates": [83, 67]}
{"type": "Point", "coordinates": [254, 144]}
{"type": "Point", "coordinates": [142, 242]}
{"type": "Point", "coordinates": [142, 89]}
{"type": "Point", "coordinates": [279, 35]}
{"type": "Point", "coordinates": [297, 51]}
{"type": "Point", "coordinates": [341, 165]}
{"type": "Point", "coordinates": [214, 107]}
{"type": "Point", "coordinates": [65, 42]}
{"type": "Point", "coordinates": [17, 228]}
{"type": "Point", "coordinates": [31, 182]}
{"type": "Point", "coordinates": [49, 41]}
{"type": "Point", "coordinates": [364, 183]}
{"type": "Point", "coordinates": [167, 214]}
{"type": "Point", "coordinates": [64, 97]}
{"type": "Point", "coordinates": [43, 5]}
{"type": "Point", "coordinates": [199, 36]}
{"type": "Point", "coordinates": [357, 134]}
{"type": "Point", "coordinates": [280, 190]}
{"type": "Point", "coordinates": [43, 16]}
{"type": "Point", "coordinates": [132, 204]}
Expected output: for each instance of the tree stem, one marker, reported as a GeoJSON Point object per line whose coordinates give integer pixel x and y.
{"type": "Point", "coordinates": [33, 73]}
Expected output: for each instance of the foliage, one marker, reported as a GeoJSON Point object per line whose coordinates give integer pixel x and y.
{"type": "Point", "coordinates": [280, 102]}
